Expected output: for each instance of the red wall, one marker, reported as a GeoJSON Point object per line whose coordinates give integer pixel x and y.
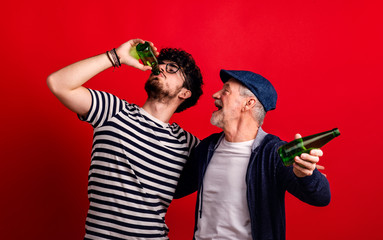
{"type": "Point", "coordinates": [323, 57]}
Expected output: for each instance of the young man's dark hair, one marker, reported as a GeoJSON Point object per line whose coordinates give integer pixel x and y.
{"type": "Point", "coordinates": [191, 72]}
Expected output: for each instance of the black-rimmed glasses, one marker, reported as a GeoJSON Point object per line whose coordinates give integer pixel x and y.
{"type": "Point", "coordinates": [173, 68]}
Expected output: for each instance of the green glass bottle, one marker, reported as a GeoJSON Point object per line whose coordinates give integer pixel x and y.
{"type": "Point", "coordinates": [147, 57]}
{"type": "Point", "coordinates": [294, 148]}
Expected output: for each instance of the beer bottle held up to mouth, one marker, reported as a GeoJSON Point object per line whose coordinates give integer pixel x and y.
{"type": "Point", "coordinates": [294, 148]}
{"type": "Point", "coordinates": [147, 57]}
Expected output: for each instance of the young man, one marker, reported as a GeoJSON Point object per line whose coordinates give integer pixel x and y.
{"type": "Point", "coordinates": [137, 156]}
{"type": "Point", "coordinates": [240, 178]}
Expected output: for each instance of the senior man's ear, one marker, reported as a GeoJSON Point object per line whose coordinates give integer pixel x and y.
{"type": "Point", "coordinates": [250, 103]}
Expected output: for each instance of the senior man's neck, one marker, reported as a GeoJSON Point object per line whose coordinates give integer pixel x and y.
{"type": "Point", "coordinates": [241, 132]}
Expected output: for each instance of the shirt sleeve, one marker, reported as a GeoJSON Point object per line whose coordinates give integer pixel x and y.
{"type": "Point", "coordinates": [104, 107]}
{"type": "Point", "coordinates": [192, 140]}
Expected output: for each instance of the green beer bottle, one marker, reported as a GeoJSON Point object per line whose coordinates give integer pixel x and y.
{"type": "Point", "coordinates": [294, 148]}
{"type": "Point", "coordinates": [147, 57]}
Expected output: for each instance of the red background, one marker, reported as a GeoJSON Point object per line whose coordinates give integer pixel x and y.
{"type": "Point", "coordinates": [324, 58]}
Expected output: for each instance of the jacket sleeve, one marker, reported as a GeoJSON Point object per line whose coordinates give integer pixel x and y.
{"type": "Point", "coordinates": [188, 181]}
{"type": "Point", "coordinates": [314, 189]}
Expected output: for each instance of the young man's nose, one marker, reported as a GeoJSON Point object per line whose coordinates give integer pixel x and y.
{"type": "Point", "coordinates": [162, 67]}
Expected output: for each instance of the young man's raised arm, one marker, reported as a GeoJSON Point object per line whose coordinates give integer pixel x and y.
{"type": "Point", "coordinates": [66, 83]}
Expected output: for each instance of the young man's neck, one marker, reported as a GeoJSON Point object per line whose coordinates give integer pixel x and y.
{"type": "Point", "coordinates": [161, 110]}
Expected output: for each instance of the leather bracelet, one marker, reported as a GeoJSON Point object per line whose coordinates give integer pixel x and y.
{"type": "Point", "coordinates": [116, 57]}
{"type": "Point", "coordinates": [110, 58]}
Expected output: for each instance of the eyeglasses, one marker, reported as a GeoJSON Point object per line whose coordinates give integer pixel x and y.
{"type": "Point", "coordinates": [173, 68]}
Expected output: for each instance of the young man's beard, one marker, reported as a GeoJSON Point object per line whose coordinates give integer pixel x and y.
{"type": "Point", "coordinates": [155, 90]}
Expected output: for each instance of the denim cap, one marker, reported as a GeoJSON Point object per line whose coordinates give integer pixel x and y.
{"type": "Point", "coordinates": [260, 86]}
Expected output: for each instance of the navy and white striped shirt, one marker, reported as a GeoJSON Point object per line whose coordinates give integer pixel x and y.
{"type": "Point", "coordinates": [136, 162]}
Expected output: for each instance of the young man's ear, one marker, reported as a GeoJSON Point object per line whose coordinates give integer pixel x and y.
{"type": "Point", "coordinates": [184, 94]}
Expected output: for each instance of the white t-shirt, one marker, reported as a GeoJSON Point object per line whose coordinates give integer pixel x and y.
{"type": "Point", "coordinates": [225, 212]}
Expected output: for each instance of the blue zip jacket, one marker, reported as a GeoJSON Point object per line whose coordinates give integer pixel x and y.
{"type": "Point", "coordinates": [267, 181]}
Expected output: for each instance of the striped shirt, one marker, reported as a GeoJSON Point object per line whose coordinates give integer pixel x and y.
{"type": "Point", "coordinates": [136, 162]}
